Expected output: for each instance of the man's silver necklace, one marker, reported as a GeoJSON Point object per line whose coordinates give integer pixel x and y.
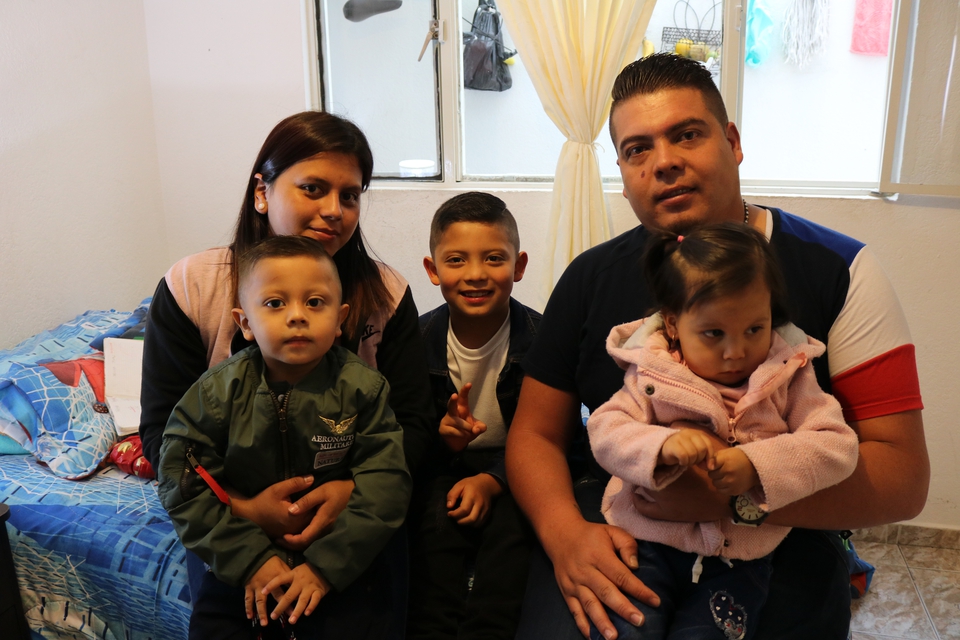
{"type": "Point", "coordinates": [746, 213]}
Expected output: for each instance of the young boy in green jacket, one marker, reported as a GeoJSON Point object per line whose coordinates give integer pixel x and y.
{"type": "Point", "coordinates": [293, 404]}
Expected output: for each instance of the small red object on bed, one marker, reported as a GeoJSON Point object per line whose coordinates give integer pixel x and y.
{"type": "Point", "coordinates": [128, 456]}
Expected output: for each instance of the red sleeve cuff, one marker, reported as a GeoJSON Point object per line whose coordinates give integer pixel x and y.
{"type": "Point", "coordinates": [881, 386]}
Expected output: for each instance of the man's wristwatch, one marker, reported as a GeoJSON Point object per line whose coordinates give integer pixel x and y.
{"type": "Point", "coordinates": [746, 512]}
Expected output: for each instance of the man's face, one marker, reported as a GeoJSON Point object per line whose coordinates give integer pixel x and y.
{"type": "Point", "coordinates": [679, 164]}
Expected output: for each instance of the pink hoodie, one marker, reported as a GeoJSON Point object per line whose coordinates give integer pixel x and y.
{"type": "Point", "coordinates": [792, 431]}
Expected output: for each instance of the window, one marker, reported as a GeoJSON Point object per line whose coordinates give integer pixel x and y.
{"type": "Point", "coordinates": [371, 75]}
{"type": "Point", "coordinates": [819, 124]}
{"type": "Point", "coordinates": [922, 147]}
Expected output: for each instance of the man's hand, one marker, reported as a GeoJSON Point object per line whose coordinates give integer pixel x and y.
{"type": "Point", "coordinates": [690, 498]}
{"type": "Point", "coordinates": [326, 503]}
{"type": "Point", "coordinates": [295, 525]}
{"type": "Point", "coordinates": [270, 509]}
{"type": "Point", "coordinates": [458, 427]}
{"type": "Point", "coordinates": [475, 496]}
{"type": "Point", "coordinates": [592, 564]}
{"type": "Point", "coordinates": [307, 588]}
{"type": "Point", "coordinates": [688, 447]}
{"type": "Point", "coordinates": [255, 595]}
{"type": "Point", "coordinates": [732, 472]}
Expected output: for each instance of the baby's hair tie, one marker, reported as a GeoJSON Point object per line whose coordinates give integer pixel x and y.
{"type": "Point", "coordinates": [679, 238]}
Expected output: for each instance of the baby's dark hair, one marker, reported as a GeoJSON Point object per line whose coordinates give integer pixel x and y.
{"type": "Point", "coordinates": [284, 247]}
{"type": "Point", "coordinates": [711, 262]}
{"type": "Point", "coordinates": [474, 206]}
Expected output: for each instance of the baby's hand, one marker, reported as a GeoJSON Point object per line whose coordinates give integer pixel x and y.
{"type": "Point", "coordinates": [255, 595]}
{"type": "Point", "coordinates": [458, 427]}
{"type": "Point", "coordinates": [732, 472]}
{"type": "Point", "coordinates": [688, 447]}
{"type": "Point", "coordinates": [307, 588]}
{"type": "Point", "coordinates": [476, 495]}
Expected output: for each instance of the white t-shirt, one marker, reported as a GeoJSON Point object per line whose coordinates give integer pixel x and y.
{"type": "Point", "coordinates": [482, 368]}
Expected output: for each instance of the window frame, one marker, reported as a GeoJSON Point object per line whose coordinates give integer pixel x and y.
{"type": "Point", "coordinates": [450, 100]}
{"type": "Point", "coordinates": [905, 15]}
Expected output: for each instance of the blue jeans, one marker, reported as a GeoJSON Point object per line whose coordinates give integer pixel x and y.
{"type": "Point", "coordinates": [723, 604]}
{"type": "Point", "coordinates": [809, 592]}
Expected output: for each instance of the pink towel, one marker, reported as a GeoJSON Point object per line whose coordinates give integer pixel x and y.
{"type": "Point", "coordinates": [871, 27]}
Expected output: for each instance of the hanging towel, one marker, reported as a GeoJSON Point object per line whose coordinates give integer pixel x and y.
{"type": "Point", "coordinates": [759, 32]}
{"type": "Point", "coordinates": [871, 27]}
{"type": "Point", "coordinates": [805, 30]}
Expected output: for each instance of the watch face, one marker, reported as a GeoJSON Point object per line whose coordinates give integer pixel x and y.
{"type": "Point", "coordinates": [747, 510]}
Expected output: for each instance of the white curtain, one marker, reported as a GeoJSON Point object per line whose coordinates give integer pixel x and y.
{"type": "Point", "coordinates": [573, 51]}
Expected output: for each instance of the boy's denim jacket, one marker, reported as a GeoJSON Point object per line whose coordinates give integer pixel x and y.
{"type": "Point", "coordinates": [433, 327]}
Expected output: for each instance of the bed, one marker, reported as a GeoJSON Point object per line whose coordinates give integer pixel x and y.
{"type": "Point", "coordinates": [94, 552]}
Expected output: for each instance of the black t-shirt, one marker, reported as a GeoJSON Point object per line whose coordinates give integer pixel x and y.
{"type": "Point", "coordinates": [604, 287]}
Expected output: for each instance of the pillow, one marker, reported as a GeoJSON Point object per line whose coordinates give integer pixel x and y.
{"type": "Point", "coordinates": [58, 423]}
{"type": "Point", "coordinates": [9, 446]}
{"type": "Point", "coordinates": [51, 387]}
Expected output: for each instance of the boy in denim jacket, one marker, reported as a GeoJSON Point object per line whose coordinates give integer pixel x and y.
{"type": "Point", "coordinates": [463, 515]}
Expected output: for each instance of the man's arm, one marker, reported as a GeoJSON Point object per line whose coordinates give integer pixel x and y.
{"type": "Point", "coordinates": [584, 555]}
{"type": "Point", "coordinates": [889, 484]}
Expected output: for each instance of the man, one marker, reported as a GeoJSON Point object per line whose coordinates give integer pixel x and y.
{"type": "Point", "coordinates": [679, 158]}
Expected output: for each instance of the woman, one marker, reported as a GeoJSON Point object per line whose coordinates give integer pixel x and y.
{"type": "Point", "coordinates": [307, 180]}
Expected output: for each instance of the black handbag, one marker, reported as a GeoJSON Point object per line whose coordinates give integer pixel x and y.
{"type": "Point", "coordinates": [484, 66]}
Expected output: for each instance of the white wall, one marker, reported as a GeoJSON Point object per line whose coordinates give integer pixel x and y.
{"type": "Point", "coordinates": [220, 80]}
{"type": "Point", "coordinates": [80, 210]}
{"type": "Point", "coordinates": [223, 73]}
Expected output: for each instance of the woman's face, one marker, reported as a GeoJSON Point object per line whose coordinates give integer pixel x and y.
{"type": "Point", "coordinates": [318, 197]}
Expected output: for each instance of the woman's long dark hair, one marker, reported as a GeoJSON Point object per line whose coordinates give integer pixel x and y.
{"type": "Point", "coordinates": [711, 262]}
{"type": "Point", "coordinates": [296, 138]}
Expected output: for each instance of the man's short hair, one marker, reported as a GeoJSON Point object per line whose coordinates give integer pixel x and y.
{"type": "Point", "coordinates": [474, 206]}
{"type": "Point", "coordinates": [284, 247]}
{"type": "Point", "coordinates": [662, 71]}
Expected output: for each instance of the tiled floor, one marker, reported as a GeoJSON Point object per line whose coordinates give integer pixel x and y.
{"type": "Point", "coordinates": [915, 592]}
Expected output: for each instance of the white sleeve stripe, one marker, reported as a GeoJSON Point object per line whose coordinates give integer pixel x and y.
{"type": "Point", "coordinates": [871, 322]}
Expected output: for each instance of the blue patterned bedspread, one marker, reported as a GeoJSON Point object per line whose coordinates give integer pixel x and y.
{"type": "Point", "coordinates": [102, 558]}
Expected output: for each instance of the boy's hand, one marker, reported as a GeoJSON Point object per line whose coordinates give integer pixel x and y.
{"type": "Point", "coordinates": [688, 447]}
{"type": "Point", "coordinates": [458, 427]}
{"type": "Point", "coordinates": [307, 588]}
{"type": "Point", "coordinates": [475, 495]}
{"type": "Point", "coordinates": [732, 472]}
{"type": "Point", "coordinates": [255, 596]}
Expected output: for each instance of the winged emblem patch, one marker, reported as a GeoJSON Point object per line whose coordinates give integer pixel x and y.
{"type": "Point", "coordinates": [338, 427]}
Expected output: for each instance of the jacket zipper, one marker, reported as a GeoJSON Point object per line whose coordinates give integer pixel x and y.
{"type": "Point", "coordinates": [187, 470]}
{"type": "Point", "coordinates": [731, 422]}
{"type": "Point", "coordinates": [280, 405]}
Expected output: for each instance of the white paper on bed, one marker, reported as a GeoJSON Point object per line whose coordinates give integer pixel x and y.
{"type": "Point", "coordinates": [122, 367]}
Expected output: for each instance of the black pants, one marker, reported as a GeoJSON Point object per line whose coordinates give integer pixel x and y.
{"type": "Point", "coordinates": [442, 553]}
{"type": "Point", "coordinates": [809, 592]}
{"type": "Point", "coordinates": [371, 608]}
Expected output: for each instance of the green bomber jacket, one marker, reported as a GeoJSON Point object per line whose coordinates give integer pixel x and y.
{"type": "Point", "coordinates": [338, 425]}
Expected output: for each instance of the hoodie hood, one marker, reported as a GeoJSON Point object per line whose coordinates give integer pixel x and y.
{"type": "Point", "coordinates": [626, 343]}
